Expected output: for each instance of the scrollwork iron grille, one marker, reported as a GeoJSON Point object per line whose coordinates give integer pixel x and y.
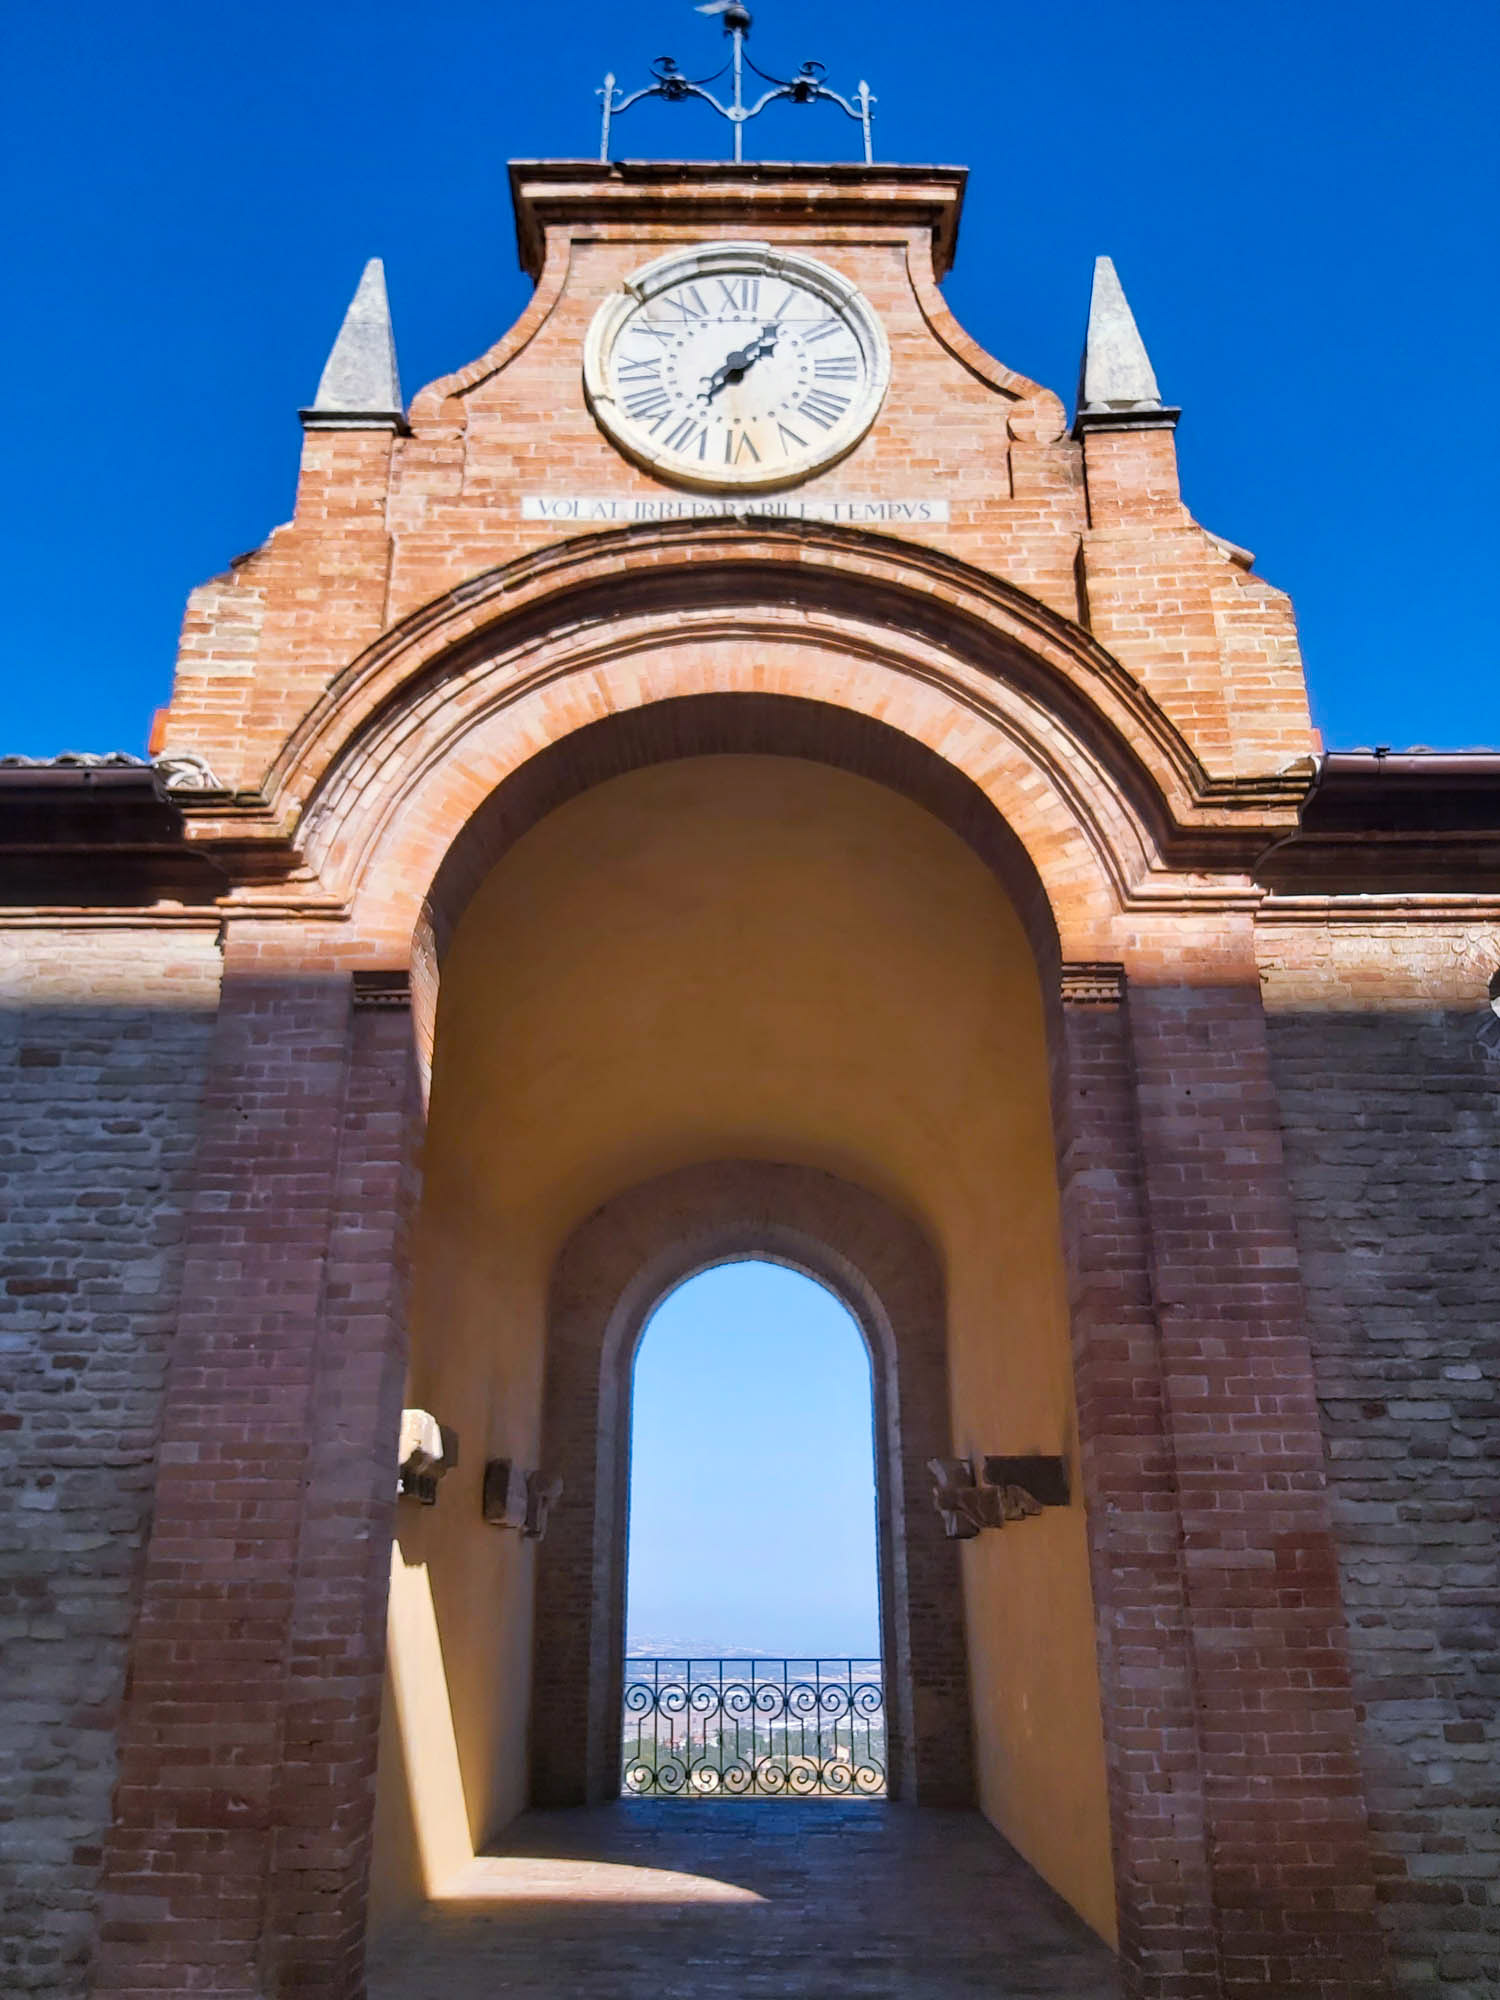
{"type": "Point", "coordinates": [671, 85]}
{"type": "Point", "coordinates": [761, 1728]}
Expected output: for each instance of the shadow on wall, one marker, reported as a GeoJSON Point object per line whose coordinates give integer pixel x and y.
{"type": "Point", "coordinates": [422, 1839]}
{"type": "Point", "coordinates": [103, 1051]}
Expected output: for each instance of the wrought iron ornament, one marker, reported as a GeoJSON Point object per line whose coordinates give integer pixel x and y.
{"type": "Point", "coordinates": [763, 1728]}
{"type": "Point", "coordinates": [806, 87]}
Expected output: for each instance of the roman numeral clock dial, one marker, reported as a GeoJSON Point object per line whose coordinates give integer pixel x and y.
{"type": "Point", "coordinates": [735, 365]}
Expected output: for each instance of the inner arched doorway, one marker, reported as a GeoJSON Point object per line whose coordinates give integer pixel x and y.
{"type": "Point", "coordinates": [608, 1281]}
{"type": "Point", "coordinates": [752, 1472]}
{"type": "Point", "coordinates": [761, 974]}
{"type": "Point", "coordinates": [752, 1624]}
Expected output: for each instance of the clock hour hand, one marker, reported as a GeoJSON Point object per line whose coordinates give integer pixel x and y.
{"type": "Point", "coordinates": [734, 366]}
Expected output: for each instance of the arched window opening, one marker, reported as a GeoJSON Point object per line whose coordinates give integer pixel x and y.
{"type": "Point", "coordinates": [753, 1652]}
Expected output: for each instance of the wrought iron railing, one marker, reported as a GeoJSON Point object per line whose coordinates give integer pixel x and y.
{"type": "Point", "coordinates": [761, 1728]}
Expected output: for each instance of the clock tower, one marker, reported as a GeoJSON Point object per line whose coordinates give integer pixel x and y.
{"type": "Point", "coordinates": [736, 769]}
{"type": "Point", "coordinates": [762, 344]}
{"type": "Point", "coordinates": [738, 487]}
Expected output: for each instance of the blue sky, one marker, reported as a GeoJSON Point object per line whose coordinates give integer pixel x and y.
{"type": "Point", "coordinates": [1300, 200]}
{"type": "Point", "coordinates": [752, 1489]}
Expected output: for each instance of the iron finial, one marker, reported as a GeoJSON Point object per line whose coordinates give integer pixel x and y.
{"type": "Point", "coordinates": [671, 83]}
{"type": "Point", "coordinates": [735, 16]}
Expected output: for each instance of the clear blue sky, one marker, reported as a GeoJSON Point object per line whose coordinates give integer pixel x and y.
{"type": "Point", "coordinates": [1300, 199]}
{"type": "Point", "coordinates": [752, 1488]}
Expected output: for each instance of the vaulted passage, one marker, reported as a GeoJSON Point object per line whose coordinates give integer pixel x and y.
{"type": "Point", "coordinates": [736, 1007]}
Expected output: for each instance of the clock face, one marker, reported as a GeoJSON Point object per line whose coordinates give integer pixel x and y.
{"type": "Point", "coordinates": [736, 365]}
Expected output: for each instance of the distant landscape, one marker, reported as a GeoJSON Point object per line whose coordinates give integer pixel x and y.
{"type": "Point", "coordinates": [752, 1503]}
{"type": "Point", "coordinates": [676, 1647]}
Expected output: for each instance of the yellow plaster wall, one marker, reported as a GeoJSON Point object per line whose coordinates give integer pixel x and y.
{"type": "Point", "coordinates": [759, 958]}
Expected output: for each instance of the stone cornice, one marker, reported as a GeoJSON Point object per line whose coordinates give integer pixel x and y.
{"type": "Point", "coordinates": [706, 194]}
{"type": "Point", "coordinates": [1365, 908]}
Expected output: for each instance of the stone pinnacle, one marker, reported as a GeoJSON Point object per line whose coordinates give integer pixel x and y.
{"type": "Point", "coordinates": [1117, 372]}
{"type": "Point", "coordinates": [360, 388]}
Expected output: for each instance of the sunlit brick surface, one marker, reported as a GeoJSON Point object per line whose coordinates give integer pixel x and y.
{"type": "Point", "coordinates": [736, 1901]}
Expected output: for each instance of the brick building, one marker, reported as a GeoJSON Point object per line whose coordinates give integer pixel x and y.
{"type": "Point", "coordinates": [738, 770]}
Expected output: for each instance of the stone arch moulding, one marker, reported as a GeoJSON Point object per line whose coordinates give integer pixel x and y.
{"type": "Point", "coordinates": [1071, 750]}
{"type": "Point", "coordinates": [609, 1277]}
{"type": "Point", "coordinates": [822, 570]}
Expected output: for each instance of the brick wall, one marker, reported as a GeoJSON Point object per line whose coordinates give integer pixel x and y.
{"type": "Point", "coordinates": [1141, 817]}
{"type": "Point", "coordinates": [385, 527]}
{"type": "Point", "coordinates": [102, 1059]}
{"type": "Point", "coordinates": [1391, 1123]}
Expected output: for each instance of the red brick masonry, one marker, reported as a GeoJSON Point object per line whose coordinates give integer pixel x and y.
{"type": "Point", "coordinates": [1274, 1078]}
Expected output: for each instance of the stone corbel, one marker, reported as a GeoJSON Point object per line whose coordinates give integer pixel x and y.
{"type": "Point", "coordinates": [1043, 1480]}
{"type": "Point", "coordinates": [428, 1449]}
{"type": "Point", "coordinates": [1012, 1489]}
{"type": "Point", "coordinates": [964, 1506]}
{"type": "Point", "coordinates": [517, 1499]}
{"type": "Point", "coordinates": [542, 1495]}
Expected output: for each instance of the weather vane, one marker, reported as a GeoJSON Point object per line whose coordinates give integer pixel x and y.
{"type": "Point", "coordinates": [806, 87]}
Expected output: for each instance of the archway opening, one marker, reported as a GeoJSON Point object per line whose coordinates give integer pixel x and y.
{"type": "Point", "coordinates": [726, 1005]}
{"type": "Point", "coordinates": [753, 1661]}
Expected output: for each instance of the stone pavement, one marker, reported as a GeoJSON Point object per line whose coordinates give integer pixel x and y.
{"type": "Point", "coordinates": [734, 1900]}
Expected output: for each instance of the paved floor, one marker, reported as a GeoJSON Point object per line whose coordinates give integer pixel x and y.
{"type": "Point", "coordinates": [735, 1900]}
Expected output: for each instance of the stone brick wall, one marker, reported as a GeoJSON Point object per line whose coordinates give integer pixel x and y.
{"type": "Point", "coordinates": [102, 1058]}
{"type": "Point", "coordinates": [1392, 1130]}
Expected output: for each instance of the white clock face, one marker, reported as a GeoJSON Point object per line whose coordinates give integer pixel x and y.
{"type": "Point", "coordinates": [736, 365]}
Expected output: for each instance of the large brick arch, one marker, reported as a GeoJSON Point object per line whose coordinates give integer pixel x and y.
{"type": "Point", "coordinates": [477, 714]}
{"type": "Point", "coordinates": [610, 1276]}
{"type": "Point", "coordinates": [409, 743]}
{"type": "Point", "coordinates": [743, 724]}
{"type": "Point", "coordinates": [471, 719]}
{"type": "Point", "coordinates": [1172, 1187]}
{"type": "Point", "coordinates": [1214, 1586]}
{"type": "Point", "coordinates": [589, 596]}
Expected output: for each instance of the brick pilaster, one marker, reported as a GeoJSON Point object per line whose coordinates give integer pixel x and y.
{"type": "Point", "coordinates": [324, 1802]}
{"type": "Point", "coordinates": [1287, 1834]}
{"type": "Point", "coordinates": [1163, 1881]}
{"type": "Point", "coordinates": [186, 1866]}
